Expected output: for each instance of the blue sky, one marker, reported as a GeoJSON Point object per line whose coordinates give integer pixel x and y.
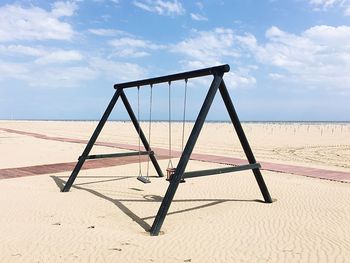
{"type": "Point", "coordinates": [290, 59]}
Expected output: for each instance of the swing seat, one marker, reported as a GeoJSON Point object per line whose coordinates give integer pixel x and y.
{"type": "Point", "coordinates": [143, 179]}
{"type": "Point", "coordinates": [169, 174]}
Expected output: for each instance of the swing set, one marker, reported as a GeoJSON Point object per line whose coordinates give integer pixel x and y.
{"type": "Point", "coordinates": [175, 175]}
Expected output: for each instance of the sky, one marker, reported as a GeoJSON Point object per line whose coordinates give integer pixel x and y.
{"type": "Point", "coordinates": [289, 59]}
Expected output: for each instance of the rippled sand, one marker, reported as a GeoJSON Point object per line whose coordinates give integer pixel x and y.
{"type": "Point", "coordinates": [212, 219]}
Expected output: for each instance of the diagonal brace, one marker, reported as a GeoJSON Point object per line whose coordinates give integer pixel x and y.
{"type": "Point", "coordinates": [174, 183]}
{"type": "Point", "coordinates": [91, 142]}
{"type": "Point", "coordinates": [243, 140]}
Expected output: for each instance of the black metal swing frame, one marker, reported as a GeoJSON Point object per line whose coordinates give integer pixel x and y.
{"type": "Point", "coordinates": [179, 174]}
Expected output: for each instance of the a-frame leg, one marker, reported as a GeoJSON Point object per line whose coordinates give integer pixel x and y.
{"type": "Point", "coordinates": [142, 135]}
{"type": "Point", "coordinates": [244, 142]}
{"type": "Point", "coordinates": [180, 169]}
{"type": "Point", "coordinates": [92, 141]}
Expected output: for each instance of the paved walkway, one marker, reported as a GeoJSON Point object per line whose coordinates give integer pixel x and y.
{"type": "Point", "coordinates": [160, 154]}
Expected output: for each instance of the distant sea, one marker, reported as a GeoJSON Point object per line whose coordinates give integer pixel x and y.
{"type": "Point", "coordinates": [192, 121]}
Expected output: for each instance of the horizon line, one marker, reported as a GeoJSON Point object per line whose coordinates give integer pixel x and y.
{"type": "Point", "coordinates": [189, 121]}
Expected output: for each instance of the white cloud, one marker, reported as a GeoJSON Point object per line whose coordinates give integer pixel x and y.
{"type": "Point", "coordinates": [133, 47]}
{"type": "Point", "coordinates": [60, 9]}
{"type": "Point", "coordinates": [61, 56]}
{"type": "Point", "coordinates": [337, 37]}
{"type": "Point", "coordinates": [208, 46]}
{"type": "Point", "coordinates": [44, 55]}
{"type": "Point", "coordinates": [318, 57]}
{"type": "Point", "coordinates": [106, 32]}
{"type": "Point", "coordinates": [235, 79]}
{"type": "Point", "coordinates": [22, 50]}
{"type": "Point", "coordinates": [34, 23]}
{"type": "Point", "coordinates": [161, 7]}
{"type": "Point", "coordinates": [115, 2]}
{"type": "Point", "coordinates": [198, 17]}
{"type": "Point", "coordinates": [347, 11]}
{"type": "Point", "coordinates": [276, 76]}
{"type": "Point", "coordinates": [130, 53]}
{"type": "Point", "coordinates": [200, 5]}
{"type": "Point", "coordinates": [327, 4]}
{"type": "Point", "coordinates": [134, 42]}
{"type": "Point", "coordinates": [216, 47]}
{"type": "Point", "coordinates": [117, 71]}
{"type": "Point", "coordinates": [60, 77]}
{"type": "Point", "coordinates": [46, 75]}
{"type": "Point", "coordinates": [12, 70]}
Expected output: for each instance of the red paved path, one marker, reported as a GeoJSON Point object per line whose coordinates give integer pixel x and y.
{"type": "Point", "coordinates": [161, 154]}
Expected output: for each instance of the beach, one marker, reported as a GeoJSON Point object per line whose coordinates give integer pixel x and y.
{"type": "Point", "coordinates": [220, 218]}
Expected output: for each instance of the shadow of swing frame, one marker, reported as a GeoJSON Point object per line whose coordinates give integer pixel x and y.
{"type": "Point", "coordinates": [141, 221]}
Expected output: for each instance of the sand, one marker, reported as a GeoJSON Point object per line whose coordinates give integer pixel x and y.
{"type": "Point", "coordinates": [212, 219]}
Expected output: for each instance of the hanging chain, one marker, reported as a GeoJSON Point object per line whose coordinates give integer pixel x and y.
{"type": "Point", "coordinates": [184, 117]}
{"type": "Point", "coordinates": [170, 164]}
{"type": "Point", "coordinates": [149, 126]}
{"type": "Point", "coordinates": [139, 127]}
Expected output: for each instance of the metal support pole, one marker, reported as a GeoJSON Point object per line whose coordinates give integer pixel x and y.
{"type": "Point", "coordinates": [91, 142]}
{"type": "Point", "coordinates": [142, 135]}
{"type": "Point", "coordinates": [244, 142]}
{"type": "Point", "coordinates": [180, 169]}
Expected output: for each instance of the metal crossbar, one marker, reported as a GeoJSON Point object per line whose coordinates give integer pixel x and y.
{"type": "Point", "coordinates": [115, 155]}
{"type": "Point", "coordinates": [220, 170]}
{"type": "Point", "coordinates": [180, 76]}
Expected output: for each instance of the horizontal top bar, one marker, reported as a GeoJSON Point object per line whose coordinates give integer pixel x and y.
{"type": "Point", "coordinates": [173, 77]}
